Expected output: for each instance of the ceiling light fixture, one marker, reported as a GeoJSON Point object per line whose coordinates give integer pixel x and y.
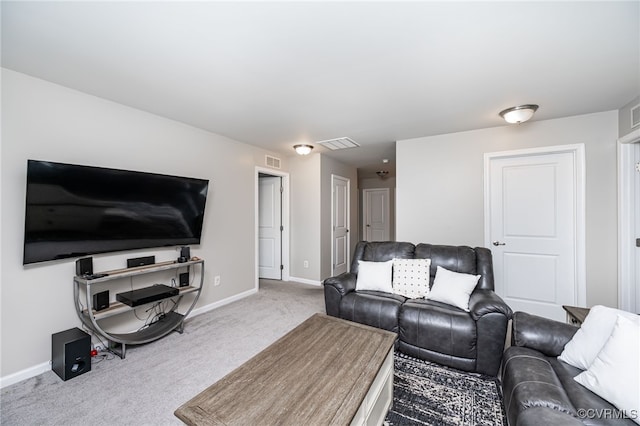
{"type": "Point", "coordinates": [518, 114]}
{"type": "Point", "coordinates": [382, 173]}
{"type": "Point", "coordinates": [303, 148]}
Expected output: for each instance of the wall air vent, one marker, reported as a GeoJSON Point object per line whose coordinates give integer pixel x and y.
{"type": "Point", "coordinates": [338, 143]}
{"type": "Point", "coordinates": [273, 162]}
{"type": "Point", "coordinates": [635, 116]}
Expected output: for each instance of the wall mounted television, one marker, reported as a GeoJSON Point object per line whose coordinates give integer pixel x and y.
{"type": "Point", "coordinates": [75, 210]}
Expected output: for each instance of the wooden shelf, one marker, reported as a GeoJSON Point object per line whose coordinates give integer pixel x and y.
{"type": "Point", "coordinates": [138, 270]}
{"type": "Point", "coordinates": [116, 308]}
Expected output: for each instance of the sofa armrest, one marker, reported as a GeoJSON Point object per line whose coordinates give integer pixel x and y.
{"type": "Point", "coordinates": [335, 288]}
{"type": "Point", "coordinates": [542, 334]}
{"type": "Point", "coordinates": [483, 302]}
{"type": "Point", "coordinates": [343, 283]}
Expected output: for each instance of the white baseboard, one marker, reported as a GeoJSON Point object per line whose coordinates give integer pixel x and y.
{"type": "Point", "coordinates": [24, 374]}
{"type": "Point", "coordinates": [211, 306]}
{"type": "Point", "coordinates": [305, 281]}
{"type": "Point", "coordinates": [36, 370]}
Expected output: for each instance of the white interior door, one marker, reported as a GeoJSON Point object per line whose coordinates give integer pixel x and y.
{"type": "Point", "coordinates": [376, 222]}
{"type": "Point", "coordinates": [270, 227]}
{"type": "Point", "coordinates": [533, 230]}
{"type": "Point", "coordinates": [340, 224]}
{"type": "Point", "coordinates": [636, 232]}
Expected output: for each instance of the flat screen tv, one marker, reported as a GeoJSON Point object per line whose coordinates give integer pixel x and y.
{"type": "Point", "coordinates": [74, 210]}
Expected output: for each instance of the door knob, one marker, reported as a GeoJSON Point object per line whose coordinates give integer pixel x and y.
{"type": "Point", "coordinates": [498, 243]}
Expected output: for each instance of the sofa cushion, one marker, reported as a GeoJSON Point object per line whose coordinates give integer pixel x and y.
{"type": "Point", "coordinates": [381, 251]}
{"type": "Point", "coordinates": [372, 308]}
{"type": "Point", "coordinates": [536, 416]}
{"type": "Point", "coordinates": [529, 380]}
{"type": "Point", "coordinates": [438, 327]}
{"type": "Point", "coordinates": [581, 398]}
{"type": "Point", "coordinates": [454, 258]}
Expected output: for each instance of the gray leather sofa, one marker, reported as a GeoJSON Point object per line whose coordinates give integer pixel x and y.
{"type": "Point", "coordinates": [470, 341]}
{"type": "Point", "coordinates": [538, 389]}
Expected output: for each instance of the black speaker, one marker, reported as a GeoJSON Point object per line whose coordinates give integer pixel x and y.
{"type": "Point", "coordinates": [185, 254]}
{"type": "Point", "coordinates": [184, 279]}
{"type": "Point", "coordinates": [101, 300]}
{"type": "Point", "coordinates": [84, 266]}
{"type": "Point", "coordinates": [141, 261]}
{"type": "Point", "coordinates": [70, 353]}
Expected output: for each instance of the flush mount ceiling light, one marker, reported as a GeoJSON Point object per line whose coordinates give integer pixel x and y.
{"type": "Point", "coordinates": [382, 173]}
{"type": "Point", "coordinates": [518, 114]}
{"type": "Point", "coordinates": [303, 148]}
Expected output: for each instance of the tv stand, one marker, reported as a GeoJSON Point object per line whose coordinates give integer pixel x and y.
{"type": "Point", "coordinates": [84, 288]}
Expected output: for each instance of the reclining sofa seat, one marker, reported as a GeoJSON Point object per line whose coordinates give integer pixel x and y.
{"type": "Point", "coordinates": [538, 388]}
{"type": "Point", "coordinates": [470, 341]}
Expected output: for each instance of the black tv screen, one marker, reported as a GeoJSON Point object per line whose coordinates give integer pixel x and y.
{"type": "Point", "coordinates": [74, 210]}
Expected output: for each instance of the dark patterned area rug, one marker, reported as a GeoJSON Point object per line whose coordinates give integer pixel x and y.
{"type": "Point", "coordinates": [425, 393]}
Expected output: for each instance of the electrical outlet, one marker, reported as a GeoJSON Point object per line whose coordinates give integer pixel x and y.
{"type": "Point", "coordinates": [216, 280]}
{"type": "Point", "coordinates": [305, 263]}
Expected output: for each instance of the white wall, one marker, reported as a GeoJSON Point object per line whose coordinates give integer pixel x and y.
{"type": "Point", "coordinates": [305, 217]}
{"type": "Point", "coordinates": [45, 121]}
{"type": "Point", "coordinates": [439, 189]}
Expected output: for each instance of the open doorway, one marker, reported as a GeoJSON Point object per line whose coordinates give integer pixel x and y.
{"type": "Point", "coordinates": [271, 224]}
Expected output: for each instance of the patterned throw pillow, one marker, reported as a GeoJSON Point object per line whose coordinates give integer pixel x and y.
{"type": "Point", "coordinates": [411, 277]}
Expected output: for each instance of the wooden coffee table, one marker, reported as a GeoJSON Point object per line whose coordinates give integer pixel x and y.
{"type": "Point", "coordinates": [326, 371]}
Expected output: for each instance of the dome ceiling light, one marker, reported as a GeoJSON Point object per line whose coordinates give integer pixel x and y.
{"type": "Point", "coordinates": [518, 114]}
{"type": "Point", "coordinates": [303, 148]}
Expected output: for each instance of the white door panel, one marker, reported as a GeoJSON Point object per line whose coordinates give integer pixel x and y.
{"type": "Point", "coordinates": [269, 228]}
{"type": "Point", "coordinates": [636, 232]}
{"type": "Point", "coordinates": [376, 209]}
{"type": "Point", "coordinates": [533, 231]}
{"type": "Point", "coordinates": [340, 224]}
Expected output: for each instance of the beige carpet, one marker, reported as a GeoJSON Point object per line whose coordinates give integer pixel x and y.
{"type": "Point", "coordinates": [154, 379]}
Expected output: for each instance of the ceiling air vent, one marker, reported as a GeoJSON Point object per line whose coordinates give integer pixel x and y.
{"type": "Point", "coordinates": [338, 143]}
{"type": "Point", "coordinates": [635, 116]}
{"type": "Point", "coordinates": [273, 162]}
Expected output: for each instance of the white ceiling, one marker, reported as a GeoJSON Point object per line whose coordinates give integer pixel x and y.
{"type": "Point", "coordinates": [276, 74]}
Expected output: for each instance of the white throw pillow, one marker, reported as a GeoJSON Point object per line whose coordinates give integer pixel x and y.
{"type": "Point", "coordinates": [375, 276]}
{"type": "Point", "coordinates": [453, 288]}
{"type": "Point", "coordinates": [411, 277]}
{"type": "Point", "coordinates": [585, 345]}
{"type": "Point", "coordinates": [614, 373]}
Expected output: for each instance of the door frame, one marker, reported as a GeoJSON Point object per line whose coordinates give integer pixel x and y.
{"type": "Point", "coordinates": [578, 153]}
{"type": "Point", "coordinates": [348, 207]}
{"type": "Point", "coordinates": [365, 215]}
{"type": "Point", "coordinates": [285, 221]}
{"type": "Point", "coordinates": [627, 291]}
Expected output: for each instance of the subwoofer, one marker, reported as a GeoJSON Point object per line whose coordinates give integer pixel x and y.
{"type": "Point", "coordinates": [70, 353]}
